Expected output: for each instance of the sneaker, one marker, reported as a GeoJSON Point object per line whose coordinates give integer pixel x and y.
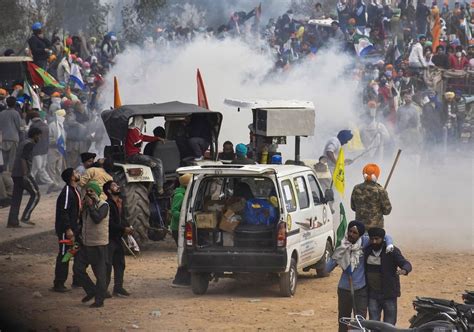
{"type": "Point", "coordinates": [14, 226]}
{"type": "Point", "coordinates": [97, 305]}
{"type": "Point", "coordinates": [87, 298]}
{"type": "Point", "coordinates": [121, 292]}
{"type": "Point", "coordinates": [199, 159]}
{"type": "Point", "coordinates": [27, 222]}
{"type": "Point", "coordinates": [60, 289]}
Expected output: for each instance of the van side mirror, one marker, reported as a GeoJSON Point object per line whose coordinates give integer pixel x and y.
{"type": "Point", "coordinates": [329, 195]}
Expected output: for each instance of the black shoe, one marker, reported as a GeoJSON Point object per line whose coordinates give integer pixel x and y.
{"type": "Point", "coordinates": [97, 305]}
{"type": "Point", "coordinates": [107, 295]}
{"type": "Point", "coordinates": [60, 289]}
{"type": "Point", "coordinates": [14, 226]}
{"type": "Point", "coordinates": [87, 298]}
{"type": "Point", "coordinates": [121, 292]}
{"type": "Point", "coordinates": [74, 285]}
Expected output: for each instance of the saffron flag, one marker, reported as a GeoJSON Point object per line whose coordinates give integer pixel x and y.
{"type": "Point", "coordinates": [436, 30]}
{"type": "Point", "coordinates": [76, 77]}
{"type": "Point", "coordinates": [338, 176]}
{"type": "Point", "coordinates": [201, 92]}
{"type": "Point", "coordinates": [31, 96]}
{"type": "Point", "coordinates": [41, 77]}
{"type": "Point", "coordinates": [341, 229]}
{"type": "Point", "coordinates": [117, 99]}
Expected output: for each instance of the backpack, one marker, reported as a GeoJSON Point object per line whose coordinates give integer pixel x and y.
{"type": "Point", "coordinates": [260, 212]}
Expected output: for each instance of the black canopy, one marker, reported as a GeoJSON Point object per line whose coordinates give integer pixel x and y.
{"type": "Point", "coordinates": [116, 120]}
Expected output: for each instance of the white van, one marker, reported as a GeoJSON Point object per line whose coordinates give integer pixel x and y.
{"type": "Point", "coordinates": [254, 219]}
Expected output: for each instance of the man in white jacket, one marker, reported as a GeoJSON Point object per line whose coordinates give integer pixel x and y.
{"type": "Point", "coordinates": [416, 58]}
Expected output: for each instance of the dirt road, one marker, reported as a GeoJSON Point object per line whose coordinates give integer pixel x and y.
{"type": "Point", "coordinates": [27, 271]}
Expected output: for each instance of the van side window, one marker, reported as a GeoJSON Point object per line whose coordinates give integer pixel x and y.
{"type": "Point", "coordinates": [302, 191]}
{"type": "Point", "coordinates": [289, 196]}
{"type": "Point", "coordinates": [316, 192]}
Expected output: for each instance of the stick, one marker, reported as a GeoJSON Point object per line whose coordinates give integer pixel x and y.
{"type": "Point", "coordinates": [393, 168]}
{"type": "Point", "coordinates": [352, 294]}
{"type": "Point", "coordinates": [128, 248]}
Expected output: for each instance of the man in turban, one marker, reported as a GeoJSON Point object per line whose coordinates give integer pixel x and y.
{"type": "Point", "coordinates": [383, 277]}
{"type": "Point", "coordinates": [369, 199]}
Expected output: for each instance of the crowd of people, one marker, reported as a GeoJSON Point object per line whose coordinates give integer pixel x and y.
{"type": "Point", "coordinates": [413, 65]}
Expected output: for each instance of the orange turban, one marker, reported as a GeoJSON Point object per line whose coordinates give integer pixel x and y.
{"type": "Point", "coordinates": [371, 172]}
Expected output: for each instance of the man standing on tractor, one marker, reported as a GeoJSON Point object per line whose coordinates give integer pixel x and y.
{"type": "Point", "coordinates": [133, 144]}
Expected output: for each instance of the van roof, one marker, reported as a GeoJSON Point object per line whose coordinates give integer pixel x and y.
{"type": "Point", "coordinates": [230, 169]}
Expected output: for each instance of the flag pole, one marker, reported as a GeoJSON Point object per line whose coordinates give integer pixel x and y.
{"type": "Point", "coordinates": [395, 162]}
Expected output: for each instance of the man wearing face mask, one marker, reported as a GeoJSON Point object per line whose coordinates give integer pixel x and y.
{"type": "Point", "coordinates": [39, 46]}
{"type": "Point", "coordinates": [57, 146]}
{"type": "Point", "coordinates": [431, 120]}
{"type": "Point", "coordinates": [408, 124]}
{"type": "Point", "coordinates": [458, 60]}
{"type": "Point", "coordinates": [133, 144]}
{"type": "Point", "coordinates": [383, 277]}
{"type": "Point", "coordinates": [374, 135]}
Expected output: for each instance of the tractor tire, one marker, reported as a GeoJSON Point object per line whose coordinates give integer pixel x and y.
{"type": "Point", "coordinates": [136, 209]}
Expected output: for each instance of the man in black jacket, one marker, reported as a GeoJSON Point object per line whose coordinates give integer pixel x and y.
{"type": "Point", "coordinates": [117, 229]}
{"type": "Point", "coordinates": [68, 208]}
{"type": "Point", "coordinates": [383, 272]}
{"type": "Point", "coordinates": [39, 46]}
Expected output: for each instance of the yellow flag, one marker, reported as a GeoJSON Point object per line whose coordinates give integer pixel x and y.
{"type": "Point", "coordinates": [338, 176]}
{"type": "Point", "coordinates": [355, 144]}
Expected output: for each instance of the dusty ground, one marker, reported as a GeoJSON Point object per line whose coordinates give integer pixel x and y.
{"type": "Point", "coordinates": [27, 267]}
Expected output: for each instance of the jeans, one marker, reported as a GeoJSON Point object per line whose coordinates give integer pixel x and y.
{"type": "Point", "coordinates": [19, 184]}
{"type": "Point", "coordinates": [389, 307]}
{"type": "Point", "coordinates": [345, 307]}
{"type": "Point", "coordinates": [154, 163]}
{"type": "Point", "coordinates": [198, 145]}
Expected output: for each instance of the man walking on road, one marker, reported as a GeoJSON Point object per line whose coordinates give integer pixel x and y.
{"type": "Point", "coordinates": [22, 180]}
{"type": "Point", "coordinates": [95, 238]}
{"type": "Point", "coordinates": [370, 200]}
{"type": "Point", "coordinates": [68, 208]}
{"type": "Point", "coordinates": [383, 277]}
{"type": "Point", "coordinates": [117, 229]}
{"type": "Point", "coordinates": [10, 127]}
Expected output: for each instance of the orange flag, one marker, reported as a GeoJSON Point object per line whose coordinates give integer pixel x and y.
{"type": "Point", "coordinates": [117, 100]}
{"type": "Point", "coordinates": [436, 31]}
{"type": "Point", "coordinates": [201, 92]}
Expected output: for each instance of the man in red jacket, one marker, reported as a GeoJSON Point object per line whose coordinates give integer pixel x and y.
{"type": "Point", "coordinates": [133, 145]}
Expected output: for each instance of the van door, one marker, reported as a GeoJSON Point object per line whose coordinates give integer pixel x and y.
{"type": "Point", "coordinates": [293, 229]}
{"type": "Point", "coordinates": [305, 218]}
{"type": "Point", "coordinates": [322, 225]}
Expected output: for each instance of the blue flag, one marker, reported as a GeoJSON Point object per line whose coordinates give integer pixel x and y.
{"type": "Point", "coordinates": [61, 146]}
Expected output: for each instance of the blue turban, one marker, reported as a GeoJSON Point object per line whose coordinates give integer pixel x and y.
{"type": "Point", "coordinates": [344, 136]}
{"type": "Point", "coordinates": [241, 150]}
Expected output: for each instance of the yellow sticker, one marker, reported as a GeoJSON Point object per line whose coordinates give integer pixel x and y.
{"type": "Point", "coordinates": [288, 222]}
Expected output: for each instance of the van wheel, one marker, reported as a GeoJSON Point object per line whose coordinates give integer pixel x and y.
{"type": "Point", "coordinates": [199, 283]}
{"type": "Point", "coordinates": [321, 265]}
{"type": "Point", "coordinates": [288, 280]}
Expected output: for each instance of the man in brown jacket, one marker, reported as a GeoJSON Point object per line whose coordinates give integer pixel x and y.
{"type": "Point", "coordinates": [95, 238]}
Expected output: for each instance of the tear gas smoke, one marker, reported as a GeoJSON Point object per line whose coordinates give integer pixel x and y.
{"type": "Point", "coordinates": [432, 202]}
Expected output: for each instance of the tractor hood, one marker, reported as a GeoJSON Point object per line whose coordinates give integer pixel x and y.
{"type": "Point", "coordinates": [116, 120]}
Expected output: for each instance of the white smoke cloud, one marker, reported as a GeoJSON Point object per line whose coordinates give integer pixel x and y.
{"type": "Point", "coordinates": [432, 201]}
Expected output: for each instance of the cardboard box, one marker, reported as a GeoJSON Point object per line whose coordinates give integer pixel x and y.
{"type": "Point", "coordinates": [229, 221]}
{"type": "Point", "coordinates": [236, 204]}
{"type": "Point", "coordinates": [207, 220]}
